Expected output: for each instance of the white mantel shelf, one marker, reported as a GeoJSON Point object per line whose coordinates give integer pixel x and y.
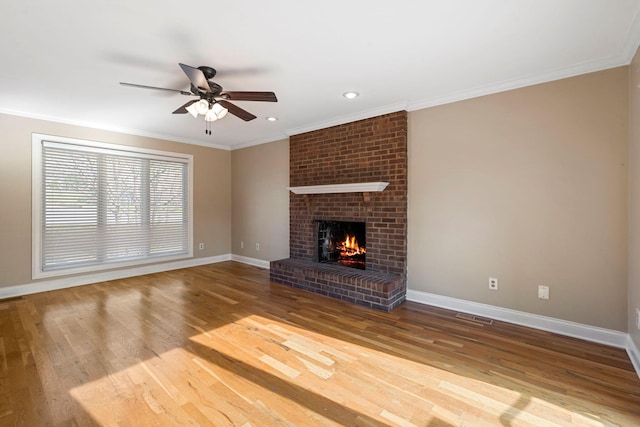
{"type": "Point", "coordinates": [360, 187]}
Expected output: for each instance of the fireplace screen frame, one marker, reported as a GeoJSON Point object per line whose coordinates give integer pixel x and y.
{"type": "Point", "coordinates": [330, 232]}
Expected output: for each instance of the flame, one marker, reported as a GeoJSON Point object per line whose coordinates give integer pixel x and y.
{"type": "Point", "coordinates": [350, 247]}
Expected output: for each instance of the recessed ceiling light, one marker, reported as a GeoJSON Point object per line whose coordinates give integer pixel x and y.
{"type": "Point", "coordinates": [272, 119]}
{"type": "Point", "coordinates": [351, 95]}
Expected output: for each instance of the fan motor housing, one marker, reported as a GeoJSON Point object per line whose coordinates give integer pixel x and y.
{"type": "Point", "coordinates": [215, 88]}
{"type": "Point", "coordinates": [208, 72]}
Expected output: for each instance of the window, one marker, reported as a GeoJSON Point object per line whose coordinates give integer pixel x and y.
{"type": "Point", "coordinates": [98, 206]}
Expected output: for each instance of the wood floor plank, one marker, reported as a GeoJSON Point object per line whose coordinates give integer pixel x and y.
{"type": "Point", "coordinates": [220, 345]}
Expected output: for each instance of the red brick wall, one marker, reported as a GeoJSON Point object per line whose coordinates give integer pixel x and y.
{"type": "Point", "coordinates": [368, 150]}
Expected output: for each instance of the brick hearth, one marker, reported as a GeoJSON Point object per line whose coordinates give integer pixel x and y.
{"type": "Point", "coordinates": [372, 289]}
{"type": "Point", "coordinates": [370, 150]}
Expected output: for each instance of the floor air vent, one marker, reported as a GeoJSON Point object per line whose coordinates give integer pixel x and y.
{"type": "Point", "coordinates": [474, 318]}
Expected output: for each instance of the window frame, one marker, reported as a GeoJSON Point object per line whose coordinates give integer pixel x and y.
{"type": "Point", "coordinates": [37, 205]}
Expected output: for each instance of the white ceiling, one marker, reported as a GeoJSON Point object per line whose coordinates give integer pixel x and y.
{"type": "Point", "coordinates": [62, 60]}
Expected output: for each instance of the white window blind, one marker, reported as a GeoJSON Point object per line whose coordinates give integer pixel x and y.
{"type": "Point", "coordinates": [100, 206]}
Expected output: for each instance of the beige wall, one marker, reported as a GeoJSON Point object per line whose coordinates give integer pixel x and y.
{"type": "Point", "coordinates": [529, 186]}
{"type": "Point", "coordinates": [634, 197]}
{"type": "Point", "coordinates": [260, 177]}
{"type": "Point", "coordinates": [212, 190]}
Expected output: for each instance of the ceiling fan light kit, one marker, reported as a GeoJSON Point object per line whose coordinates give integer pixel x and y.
{"type": "Point", "coordinates": [202, 106]}
{"type": "Point", "coordinates": [191, 109]}
{"type": "Point", "coordinates": [213, 102]}
{"type": "Point", "coordinates": [210, 116]}
{"type": "Point", "coordinates": [219, 110]}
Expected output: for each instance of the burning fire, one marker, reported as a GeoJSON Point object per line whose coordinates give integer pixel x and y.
{"type": "Point", "coordinates": [350, 247]}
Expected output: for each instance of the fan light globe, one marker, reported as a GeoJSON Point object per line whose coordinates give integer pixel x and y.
{"type": "Point", "coordinates": [202, 106]}
{"type": "Point", "coordinates": [191, 109]}
{"type": "Point", "coordinates": [219, 110]}
{"type": "Point", "coordinates": [210, 116]}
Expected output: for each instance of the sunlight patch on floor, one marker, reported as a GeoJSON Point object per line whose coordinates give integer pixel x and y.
{"type": "Point", "coordinates": [326, 366]}
{"type": "Point", "coordinates": [257, 370]}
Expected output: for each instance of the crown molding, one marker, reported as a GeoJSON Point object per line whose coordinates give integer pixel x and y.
{"type": "Point", "coordinates": [624, 57]}
{"type": "Point", "coordinates": [361, 115]}
{"type": "Point", "coordinates": [259, 142]}
{"type": "Point", "coordinates": [98, 126]}
{"type": "Point", "coordinates": [573, 71]}
{"type": "Point", "coordinates": [633, 39]}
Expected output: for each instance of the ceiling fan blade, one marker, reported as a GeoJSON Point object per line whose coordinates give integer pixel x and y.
{"type": "Point", "coordinates": [183, 109]}
{"type": "Point", "coordinates": [183, 92]}
{"type": "Point", "coordinates": [250, 96]}
{"type": "Point", "coordinates": [196, 76]}
{"type": "Point", "coordinates": [237, 111]}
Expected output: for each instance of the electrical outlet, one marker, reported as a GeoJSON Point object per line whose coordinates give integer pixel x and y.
{"type": "Point", "coordinates": [241, 245]}
{"type": "Point", "coordinates": [201, 246]}
{"type": "Point", "coordinates": [493, 283]}
{"type": "Point", "coordinates": [543, 292]}
{"type": "Point", "coordinates": [257, 246]}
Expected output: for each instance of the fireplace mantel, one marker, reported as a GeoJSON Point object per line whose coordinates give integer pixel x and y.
{"type": "Point", "coordinates": [359, 187]}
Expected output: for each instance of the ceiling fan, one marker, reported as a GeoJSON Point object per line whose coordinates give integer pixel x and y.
{"type": "Point", "coordinates": [213, 101]}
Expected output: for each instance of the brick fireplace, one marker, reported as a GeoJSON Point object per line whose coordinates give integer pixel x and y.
{"type": "Point", "coordinates": [370, 150]}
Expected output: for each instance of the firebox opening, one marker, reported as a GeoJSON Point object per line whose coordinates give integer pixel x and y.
{"type": "Point", "coordinates": [342, 242]}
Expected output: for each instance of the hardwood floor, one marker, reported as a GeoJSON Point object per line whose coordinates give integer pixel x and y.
{"type": "Point", "coordinates": [221, 345]}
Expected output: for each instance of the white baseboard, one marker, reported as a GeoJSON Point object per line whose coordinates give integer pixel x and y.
{"type": "Point", "coordinates": [85, 279]}
{"type": "Point", "coordinates": [634, 355]}
{"type": "Point", "coordinates": [563, 327]}
{"type": "Point", "coordinates": [550, 324]}
{"type": "Point", "coordinates": [251, 261]}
